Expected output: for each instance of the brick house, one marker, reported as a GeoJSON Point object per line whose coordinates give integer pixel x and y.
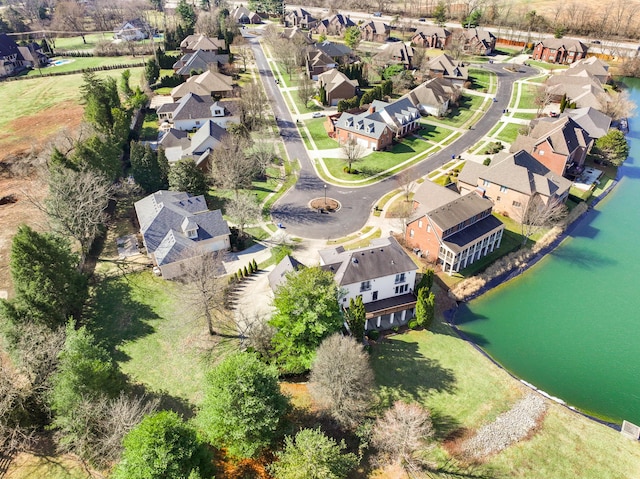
{"type": "Point", "coordinates": [433, 96]}
{"type": "Point", "coordinates": [560, 144]}
{"type": "Point", "coordinates": [299, 17]}
{"type": "Point", "coordinates": [451, 229]}
{"type": "Point", "coordinates": [395, 53]}
{"type": "Point", "coordinates": [334, 25]}
{"type": "Point", "coordinates": [375, 31]}
{"type": "Point", "coordinates": [560, 50]}
{"type": "Point", "coordinates": [373, 134]}
{"type": "Point", "coordinates": [318, 62]}
{"type": "Point", "coordinates": [337, 86]}
{"type": "Point", "coordinates": [384, 276]}
{"type": "Point", "coordinates": [193, 43]}
{"type": "Point", "coordinates": [478, 41]}
{"type": "Point", "coordinates": [443, 66]}
{"type": "Point", "coordinates": [431, 37]}
{"type": "Point", "coordinates": [510, 181]}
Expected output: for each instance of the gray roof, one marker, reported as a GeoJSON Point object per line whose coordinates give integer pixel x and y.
{"type": "Point", "coordinates": [569, 44]}
{"type": "Point", "coordinates": [449, 67]}
{"type": "Point", "coordinates": [564, 135]}
{"type": "Point", "coordinates": [458, 242]}
{"type": "Point", "coordinates": [383, 257]}
{"type": "Point", "coordinates": [377, 27]}
{"type": "Point", "coordinates": [594, 122]}
{"type": "Point", "coordinates": [364, 124]}
{"type": "Point", "coordinates": [433, 92]}
{"type": "Point", "coordinates": [200, 61]}
{"type": "Point", "coordinates": [459, 210]}
{"type": "Point", "coordinates": [401, 111]}
{"type": "Point", "coordinates": [191, 106]}
{"type": "Point", "coordinates": [398, 51]}
{"type": "Point", "coordinates": [209, 129]}
{"type": "Point", "coordinates": [430, 196]}
{"type": "Point", "coordinates": [174, 137]}
{"type": "Point", "coordinates": [162, 215]}
{"type": "Point", "coordinates": [522, 172]}
{"type": "Point", "coordinates": [334, 49]}
{"type": "Point", "coordinates": [200, 41]}
{"type": "Point", "coordinates": [279, 273]}
{"type": "Point", "coordinates": [433, 30]}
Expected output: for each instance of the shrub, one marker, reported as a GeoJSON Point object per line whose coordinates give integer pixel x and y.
{"type": "Point", "coordinates": [374, 334]}
{"type": "Point", "coordinates": [486, 162]}
{"type": "Point", "coordinates": [413, 324]}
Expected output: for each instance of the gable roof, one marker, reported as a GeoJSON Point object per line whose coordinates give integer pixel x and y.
{"type": "Point", "coordinates": [430, 196]}
{"type": "Point", "coordinates": [340, 19]}
{"type": "Point", "coordinates": [594, 122]}
{"type": "Point", "coordinates": [433, 92]}
{"type": "Point", "coordinates": [431, 31]}
{"type": "Point", "coordinates": [316, 57]}
{"type": "Point", "coordinates": [191, 106]}
{"type": "Point", "coordinates": [398, 113]}
{"type": "Point", "coordinates": [568, 44]}
{"type": "Point", "coordinates": [398, 51]}
{"type": "Point", "coordinates": [376, 26]}
{"type": "Point", "coordinates": [297, 35]}
{"type": "Point", "coordinates": [8, 47]}
{"type": "Point", "coordinates": [279, 274]}
{"type": "Point", "coordinates": [208, 130]}
{"type": "Point", "coordinates": [162, 216]}
{"type": "Point", "coordinates": [173, 137]}
{"type": "Point", "coordinates": [564, 135]}
{"type": "Point", "coordinates": [449, 67]}
{"type": "Point", "coordinates": [200, 41]}
{"type": "Point", "coordinates": [592, 65]}
{"type": "Point", "coordinates": [199, 60]}
{"type": "Point", "coordinates": [383, 257]}
{"type": "Point", "coordinates": [334, 49]}
{"type": "Point", "coordinates": [332, 79]}
{"type": "Point", "coordinates": [204, 84]}
{"type": "Point", "coordinates": [363, 124]}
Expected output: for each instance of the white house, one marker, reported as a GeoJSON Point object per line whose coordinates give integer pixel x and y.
{"type": "Point", "coordinates": [192, 111]}
{"type": "Point", "coordinates": [382, 273]}
{"type": "Point", "coordinates": [175, 226]}
{"type": "Point", "coordinates": [133, 30]}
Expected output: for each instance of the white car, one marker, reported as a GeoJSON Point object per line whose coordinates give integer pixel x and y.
{"type": "Point", "coordinates": [317, 115]}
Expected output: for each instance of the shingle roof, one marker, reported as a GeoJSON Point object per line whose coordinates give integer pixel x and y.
{"type": "Point", "coordinates": [8, 47]}
{"type": "Point", "coordinates": [174, 137]}
{"type": "Point", "coordinates": [279, 273]}
{"type": "Point", "coordinates": [430, 196]}
{"type": "Point", "coordinates": [334, 49]}
{"type": "Point", "coordinates": [333, 78]}
{"type": "Point", "coordinates": [363, 124]}
{"type": "Point", "coordinates": [204, 84]}
{"type": "Point", "coordinates": [433, 30]}
{"type": "Point", "coordinates": [202, 42]}
{"type": "Point", "coordinates": [564, 135]}
{"type": "Point", "coordinates": [378, 27]}
{"type": "Point", "coordinates": [398, 51]}
{"type": "Point", "coordinates": [199, 61]}
{"type": "Point", "coordinates": [161, 216]}
{"type": "Point", "coordinates": [449, 67]}
{"type": "Point", "coordinates": [594, 122]}
{"type": "Point", "coordinates": [434, 92]}
{"type": "Point", "coordinates": [569, 44]}
{"type": "Point", "coordinates": [191, 106]}
{"type": "Point", "coordinates": [383, 257]}
{"type": "Point", "coordinates": [459, 210]}
{"type": "Point", "coordinates": [459, 241]}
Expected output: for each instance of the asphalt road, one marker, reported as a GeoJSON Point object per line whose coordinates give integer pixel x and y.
{"type": "Point", "coordinates": [293, 211]}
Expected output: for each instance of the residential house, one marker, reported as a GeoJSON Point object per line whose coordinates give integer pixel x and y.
{"type": "Point", "coordinates": [451, 229]}
{"type": "Point", "coordinates": [299, 17]}
{"type": "Point", "coordinates": [595, 67]}
{"type": "Point", "coordinates": [560, 144]}
{"type": "Point", "coordinates": [433, 96]}
{"type": "Point", "coordinates": [395, 53]}
{"type": "Point", "coordinates": [14, 58]}
{"type": "Point", "coordinates": [334, 25]}
{"type": "Point", "coordinates": [375, 31]}
{"type": "Point", "coordinates": [199, 61]}
{"type": "Point", "coordinates": [243, 16]}
{"type": "Point", "coordinates": [511, 181]}
{"type": "Point", "coordinates": [382, 274]}
{"type": "Point", "coordinates": [431, 37]}
{"type": "Point", "coordinates": [133, 30]}
{"type": "Point", "coordinates": [192, 111]}
{"type": "Point", "coordinates": [198, 147]}
{"type": "Point", "coordinates": [582, 89]}
{"type": "Point", "coordinates": [318, 62]}
{"type": "Point", "coordinates": [209, 83]}
{"type": "Point", "coordinates": [443, 66]}
{"type": "Point", "coordinates": [278, 275]}
{"type": "Point", "coordinates": [478, 41]}
{"type": "Point", "coordinates": [176, 226]}
{"type": "Point", "coordinates": [339, 52]}
{"type": "Point", "coordinates": [173, 137]}
{"type": "Point", "coordinates": [297, 36]}
{"type": "Point", "coordinates": [199, 41]}
{"type": "Point", "coordinates": [337, 86]}
{"type": "Point", "coordinates": [594, 122]}
{"type": "Point", "coordinates": [560, 50]}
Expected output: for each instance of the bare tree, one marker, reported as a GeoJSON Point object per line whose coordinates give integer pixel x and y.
{"type": "Point", "coordinates": [253, 104]}
{"type": "Point", "coordinates": [353, 152]}
{"type": "Point", "coordinates": [70, 16]}
{"type": "Point", "coordinates": [208, 23]}
{"type": "Point", "coordinates": [285, 53]}
{"type": "Point", "coordinates": [537, 214]}
{"type": "Point", "coordinates": [401, 436]}
{"type": "Point", "coordinates": [232, 167]}
{"type": "Point", "coordinates": [243, 209]}
{"type": "Point", "coordinates": [542, 98]}
{"type": "Point", "coordinates": [242, 50]}
{"type": "Point", "coordinates": [306, 89]}
{"type": "Point", "coordinates": [76, 204]}
{"type": "Point", "coordinates": [263, 151]}
{"type": "Point", "coordinates": [204, 288]}
{"type": "Point", "coordinates": [617, 106]}
{"type": "Point", "coordinates": [345, 391]}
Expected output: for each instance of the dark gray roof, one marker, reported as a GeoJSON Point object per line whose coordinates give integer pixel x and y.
{"type": "Point", "coordinates": [209, 129]}
{"type": "Point", "coordinates": [174, 137]}
{"type": "Point", "coordinates": [364, 124]}
{"type": "Point", "coordinates": [8, 47]}
{"type": "Point", "coordinates": [279, 273]}
{"type": "Point", "coordinates": [569, 44]}
{"type": "Point", "coordinates": [383, 257]}
{"type": "Point", "coordinates": [460, 240]}
{"type": "Point", "coordinates": [191, 106]}
{"type": "Point", "coordinates": [199, 61]}
{"type": "Point", "coordinates": [459, 210]}
{"type": "Point", "coordinates": [162, 215]}
{"type": "Point", "coordinates": [334, 49]}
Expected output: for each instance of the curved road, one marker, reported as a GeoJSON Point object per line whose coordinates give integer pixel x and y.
{"type": "Point", "coordinates": [292, 210]}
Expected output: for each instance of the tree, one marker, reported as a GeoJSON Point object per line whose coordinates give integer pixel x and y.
{"type": "Point", "coordinates": [306, 312]}
{"type": "Point", "coordinates": [204, 289]}
{"type": "Point", "coordinates": [401, 435]}
{"type": "Point", "coordinates": [440, 14]}
{"type": "Point", "coordinates": [425, 307]}
{"type": "Point", "coordinates": [352, 37]}
{"type": "Point", "coordinates": [353, 152]}
{"type": "Point", "coordinates": [152, 71]}
{"type": "Point", "coordinates": [243, 406]}
{"type": "Point", "coordinates": [232, 165]}
{"type": "Point", "coordinates": [537, 214]}
{"type": "Point", "coordinates": [69, 16]}
{"type": "Point", "coordinates": [162, 445]}
{"type": "Point", "coordinates": [426, 280]}
{"type": "Point", "coordinates": [617, 106]}
{"type": "Point", "coordinates": [101, 100]}
{"type": "Point", "coordinates": [262, 151]}
{"type": "Point", "coordinates": [306, 89]}
{"type": "Point", "coordinates": [184, 175]}
{"type": "Point", "coordinates": [356, 317]}
{"type": "Point", "coordinates": [543, 98]}
{"type": "Point", "coordinates": [187, 14]}
{"type": "Point", "coordinates": [86, 373]}
{"type": "Point", "coordinates": [313, 455]}
{"type": "Point", "coordinates": [611, 148]}
{"type": "Point", "coordinates": [243, 209]}
{"type": "Point", "coordinates": [286, 55]}
{"type": "Point", "coordinates": [145, 168]}
{"type": "Point", "coordinates": [48, 286]}
{"type": "Point", "coordinates": [253, 103]}
{"type": "Point", "coordinates": [345, 391]}
{"type": "Point", "coordinates": [76, 204]}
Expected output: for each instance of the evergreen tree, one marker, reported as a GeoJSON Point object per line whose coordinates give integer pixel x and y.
{"type": "Point", "coordinates": [185, 176]}
{"type": "Point", "coordinates": [146, 169]}
{"type": "Point", "coordinates": [426, 281]}
{"type": "Point", "coordinates": [356, 317]}
{"type": "Point", "coordinates": [152, 71]}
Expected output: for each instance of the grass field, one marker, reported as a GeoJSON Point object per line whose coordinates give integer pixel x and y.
{"type": "Point", "coordinates": [469, 104]}
{"type": "Point", "coordinates": [527, 97]}
{"type": "Point", "coordinates": [509, 133]}
{"type": "Point", "coordinates": [86, 62]}
{"type": "Point", "coordinates": [319, 134]}
{"type": "Point", "coordinates": [483, 80]}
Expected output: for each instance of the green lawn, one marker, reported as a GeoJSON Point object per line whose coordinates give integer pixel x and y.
{"type": "Point", "coordinates": [464, 391]}
{"type": "Point", "coordinates": [319, 134]}
{"type": "Point", "coordinates": [525, 116]}
{"type": "Point", "coordinates": [87, 62]}
{"type": "Point", "coordinates": [149, 130]}
{"type": "Point", "coordinates": [469, 104]}
{"type": "Point", "coordinates": [76, 43]}
{"type": "Point", "coordinates": [509, 133]}
{"type": "Point", "coordinates": [483, 80]}
{"type": "Point", "coordinates": [527, 97]}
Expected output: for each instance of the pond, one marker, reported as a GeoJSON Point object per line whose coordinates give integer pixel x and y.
{"type": "Point", "coordinates": [571, 324]}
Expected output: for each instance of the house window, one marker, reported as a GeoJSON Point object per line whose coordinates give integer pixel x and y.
{"type": "Point", "coordinates": [402, 289]}
{"type": "Point", "coordinates": [411, 233]}
{"type": "Point", "coordinates": [420, 224]}
{"type": "Point", "coordinates": [365, 286]}
{"type": "Point", "coordinates": [197, 122]}
{"type": "Point", "coordinates": [498, 198]}
{"type": "Point", "coordinates": [399, 278]}
{"type": "Point", "coordinates": [428, 228]}
{"type": "Point", "coordinates": [503, 189]}
{"type": "Point", "coordinates": [517, 204]}
{"type": "Point", "coordinates": [485, 183]}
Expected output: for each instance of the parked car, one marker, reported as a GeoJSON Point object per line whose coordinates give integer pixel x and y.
{"type": "Point", "coordinates": [422, 19]}
{"type": "Point", "coordinates": [377, 14]}
{"type": "Point", "coordinates": [317, 115]}
{"type": "Point", "coordinates": [596, 42]}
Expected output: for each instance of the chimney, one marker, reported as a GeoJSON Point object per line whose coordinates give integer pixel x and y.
{"type": "Point", "coordinates": [372, 109]}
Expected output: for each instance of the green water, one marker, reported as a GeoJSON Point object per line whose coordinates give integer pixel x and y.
{"type": "Point", "coordinates": [571, 324]}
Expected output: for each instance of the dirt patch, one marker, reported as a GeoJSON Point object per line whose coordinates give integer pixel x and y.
{"type": "Point", "coordinates": [32, 132]}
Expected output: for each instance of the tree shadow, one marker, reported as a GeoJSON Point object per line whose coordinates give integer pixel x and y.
{"type": "Point", "coordinates": [114, 316]}
{"type": "Point", "coordinates": [166, 401]}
